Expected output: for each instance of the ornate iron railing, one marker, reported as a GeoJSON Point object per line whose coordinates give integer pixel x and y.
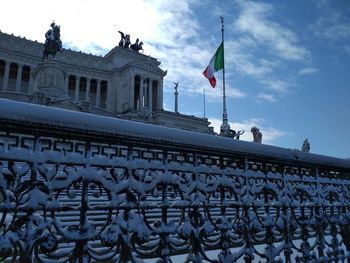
{"type": "Point", "coordinates": [81, 188]}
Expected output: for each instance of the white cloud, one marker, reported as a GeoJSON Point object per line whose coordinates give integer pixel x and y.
{"type": "Point", "coordinates": [82, 22]}
{"type": "Point", "coordinates": [347, 49]}
{"type": "Point", "coordinates": [271, 134]}
{"type": "Point", "coordinates": [282, 41]}
{"type": "Point", "coordinates": [333, 25]}
{"type": "Point", "coordinates": [337, 32]}
{"type": "Point", "coordinates": [276, 85]}
{"type": "Point", "coordinates": [308, 71]}
{"type": "Point", "coordinates": [246, 64]}
{"type": "Point", "coordinates": [241, 56]}
{"type": "Point", "coordinates": [263, 48]}
{"type": "Point", "coordinates": [213, 94]}
{"type": "Point", "coordinates": [234, 93]}
{"type": "Point", "coordinates": [266, 97]}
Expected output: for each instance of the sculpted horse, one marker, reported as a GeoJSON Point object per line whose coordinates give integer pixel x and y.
{"type": "Point", "coordinates": [53, 42]}
{"type": "Point", "coordinates": [137, 45]}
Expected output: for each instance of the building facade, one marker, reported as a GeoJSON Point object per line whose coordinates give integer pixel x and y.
{"type": "Point", "coordinates": [123, 83]}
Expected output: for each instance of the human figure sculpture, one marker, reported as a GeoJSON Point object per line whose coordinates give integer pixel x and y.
{"type": "Point", "coordinates": [49, 34]}
{"type": "Point", "coordinates": [306, 146]}
{"type": "Point", "coordinates": [257, 135]}
{"type": "Point", "coordinates": [239, 133]}
{"type": "Point", "coordinates": [121, 42]}
{"type": "Point", "coordinates": [124, 40]}
{"type": "Point", "coordinates": [231, 133]}
{"type": "Point", "coordinates": [127, 41]}
{"type": "Point", "coordinates": [176, 85]}
{"type": "Point", "coordinates": [53, 43]}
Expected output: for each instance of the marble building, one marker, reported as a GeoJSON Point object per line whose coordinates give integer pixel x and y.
{"type": "Point", "coordinates": [123, 83]}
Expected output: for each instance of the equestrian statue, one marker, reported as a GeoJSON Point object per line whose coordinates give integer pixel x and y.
{"type": "Point", "coordinates": [53, 43]}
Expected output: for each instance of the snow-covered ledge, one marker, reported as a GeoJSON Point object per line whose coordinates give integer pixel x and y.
{"type": "Point", "coordinates": [55, 117]}
{"type": "Point", "coordinates": [81, 187]}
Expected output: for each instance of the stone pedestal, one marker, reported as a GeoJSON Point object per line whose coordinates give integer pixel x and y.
{"type": "Point", "coordinates": [50, 78]}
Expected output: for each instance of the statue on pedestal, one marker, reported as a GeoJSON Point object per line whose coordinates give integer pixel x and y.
{"type": "Point", "coordinates": [53, 43]}
{"type": "Point", "coordinates": [257, 135]}
{"type": "Point", "coordinates": [306, 146]}
{"type": "Point", "coordinates": [176, 93]}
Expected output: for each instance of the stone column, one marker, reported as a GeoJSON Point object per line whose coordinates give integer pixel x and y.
{"type": "Point", "coordinates": [142, 86]}
{"type": "Point", "coordinates": [98, 93]}
{"type": "Point", "coordinates": [109, 96]}
{"type": "Point", "coordinates": [160, 95]}
{"type": "Point", "coordinates": [6, 76]}
{"type": "Point", "coordinates": [77, 87]}
{"type": "Point", "coordinates": [150, 95]}
{"type": "Point", "coordinates": [87, 94]}
{"type": "Point", "coordinates": [131, 105]}
{"type": "Point", "coordinates": [30, 83]}
{"type": "Point", "coordinates": [66, 84]}
{"type": "Point", "coordinates": [145, 93]}
{"type": "Point", "coordinates": [19, 77]}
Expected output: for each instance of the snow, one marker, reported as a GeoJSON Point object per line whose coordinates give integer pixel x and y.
{"type": "Point", "coordinates": [35, 199]}
{"type": "Point", "coordinates": [38, 114]}
{"type": "Point", "coordinates": [5, 243]}
{"type": "Point", "coordinates": [189, 187]}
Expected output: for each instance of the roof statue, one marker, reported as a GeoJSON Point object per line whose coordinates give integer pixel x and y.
{"type": "Point", "coordinates": [231, 133]}
{"type": "Point", "coordinates": [306, 146]}
{"type": "Point", "coordinates": [137, 45]}
{"type": "Point", "coordinates": [176, 85]}
{"type": "Point", "coordinates": [238, 134]}
{"type": "Point", "coordinates": [257, 135]}
{"type": "Point", "coordinates": [125, 42]}
{"type": "Point", "coordinates": [176, 93]}
{"type": "Point", "coordinates": [53, 43]}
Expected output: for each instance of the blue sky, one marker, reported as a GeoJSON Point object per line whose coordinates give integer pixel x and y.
{"type": "Point", "coordinates": [287, 62]}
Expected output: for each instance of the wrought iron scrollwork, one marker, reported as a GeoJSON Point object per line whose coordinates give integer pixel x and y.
{"type": "Point", "coordinates": [77, 200]}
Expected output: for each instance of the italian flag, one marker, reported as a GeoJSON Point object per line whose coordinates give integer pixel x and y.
{"type": "Point", "coordinates": [216, 63]}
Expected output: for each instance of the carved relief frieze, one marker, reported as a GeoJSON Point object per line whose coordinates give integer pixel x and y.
{"type": "Point", "coordinates": [40, 98]}
{"type": "Point", "coordinates": [49, 77]}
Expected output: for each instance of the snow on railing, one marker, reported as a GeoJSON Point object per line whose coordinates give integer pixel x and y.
{"type": "Point", "coordinates": [76, 187]}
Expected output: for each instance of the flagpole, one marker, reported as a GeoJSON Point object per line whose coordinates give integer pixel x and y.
{"type": "Point", "coordinates": [225, 127]}
{"type": "Point", "coordinates": [204, 100]}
